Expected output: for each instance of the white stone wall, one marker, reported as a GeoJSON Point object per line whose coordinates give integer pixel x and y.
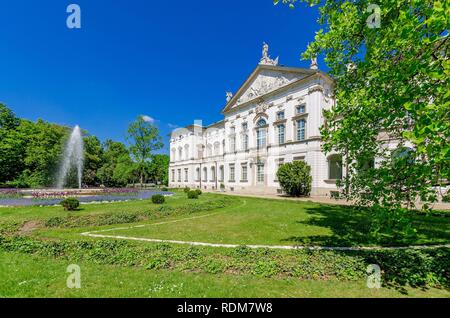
{"type": "Point", "coordinates": [315, 94]}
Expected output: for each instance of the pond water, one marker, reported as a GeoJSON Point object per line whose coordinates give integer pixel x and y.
{"type": "Point", "coordinates": [99, 198]}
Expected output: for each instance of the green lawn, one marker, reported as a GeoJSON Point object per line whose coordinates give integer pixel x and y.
{"type": "Point", "coordinates": [280, 222]}
{"type": "Point", "coordinates": [166, 270]}
{"type": "Point", "coordinates": [31, 276]}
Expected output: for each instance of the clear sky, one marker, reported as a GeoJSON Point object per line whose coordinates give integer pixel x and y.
{"type": "Point", "coordinates": [170, 60]}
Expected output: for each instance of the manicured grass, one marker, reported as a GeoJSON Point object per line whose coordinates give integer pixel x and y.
{"type": "Point", "coordinates": [32, 276]}
{"type": "Point", "coordinates": [283, 222]}
{"type": "Point", "coordinates": [165, 270]}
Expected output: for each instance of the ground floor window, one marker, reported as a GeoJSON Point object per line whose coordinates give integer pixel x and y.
{"type": "Point", "coordinates": [222, 175]}
{"type": "Point", "coordinates": [260, 172]}
{"type": "Point", "coordinates": [198, 174]}
{"type": "Point", "coordinates": [179, 175]}
{"type": "Point", "coordinates": [173, 175]}
{"type": "Point", "coordinates": [244, 174]}
{"type": "Point", "coordinates": [205, 174]}
{"type": "Point", "coordinates": [186, 175]}
{"type": "Point", "coordinates": [213, 174]}
{"type": "Point", "coordinates": [232, 172]}
{"type": "Point", "coordinates": [335, 167]}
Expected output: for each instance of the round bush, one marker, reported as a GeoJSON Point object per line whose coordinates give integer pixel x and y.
{"type": "Point", "coordinates": [199, 192]}
{"type": "Point", "coordinates": [295, 178]}
{"type": "Point", "coordinates": [158, 199]}
{"type": "Point", "coordinates": [192, 194]}
{"type": "Point", "coordinates": [187, 189]}
{"type": "Point", "coordinates": [164, 189]}
{"type": "Point", "coordinates": [70, 204]}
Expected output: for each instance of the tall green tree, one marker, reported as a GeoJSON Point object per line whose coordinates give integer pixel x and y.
{"type": "Point", "coordinates": [116, 158]}
{"type": "Point", "coordinates": [93, 160]}
{"type": "Point", "coordinates": [391, 67]}
{"type": "Point", "coordinates": [12, 146]}
{"type": "Point", "coordinates": [144, 139]}
{"type": "Point", "coordinates": [158, 169]}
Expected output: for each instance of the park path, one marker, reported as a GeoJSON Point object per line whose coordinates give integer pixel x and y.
{"type": "Point", "coordinates": [96, 234]}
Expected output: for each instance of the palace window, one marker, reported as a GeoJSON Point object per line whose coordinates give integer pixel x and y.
{"type": "Point", "coordinates": [244, 174]}
{"type": "Point", "coordinates": [335, 167]}
{"type": "Point", "coordinates": [280, 115]}
{"type": "Point", "coordinates": [245, 142]}
{"type": "Point", "coordinates": [233, 140]}
{"type": "Point", "coordinates": [179, 175]}
{"type": "Point", "coordinates": [260, 172]}
{"type": "Point", "coordinates": [244, 126]}
{"type": "Point", "coordinates": [300, 109]}
{"type": "Point", "coordinates": [222, 174]}
{"type": "Point", "coordinates": [232, 172]}
{"type": "Point", "coordinates": [281, 134]}
{"type": "Point", "coordinates": [205, 174]}
{"type": "Point", "coordinates": [213, 174]}
{"type": "Point", "coordinates": [261, 133]}
{"type": "Point", "coordinates": [186, 175]}
{"type": "Point", "coordinates": [198, 174]}
{"type": "Point", "coordinates": [173, 175]}
{"type": "Point", "coordinates": [301, 129]}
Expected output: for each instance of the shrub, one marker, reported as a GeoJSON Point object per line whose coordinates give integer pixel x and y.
{"type": "Point", "coordinates": [187, 189]}
{"type": "Point", "coordinates": [164, 189]}
{"type": "Point", "coordinates": [295, 178]}
{"type": "Point", "coordinates": [199, 192]}
{"type": "Point", "coordinates": [446, 197]}
{"type": "Point", "coordinates": [158, 199]}
{"type": "Point", "coordinates": [192, 194]}
{"type": "Point", "coordinates": [70, 204]}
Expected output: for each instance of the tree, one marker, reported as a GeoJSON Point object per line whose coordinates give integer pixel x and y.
{"type": "Point", "coordinates": [117, 168]}
{"type": "Point", "coordinates": [12, 145]}
{"type": "Point", "coordinates": [144, 138]}
{"type": "Point", "coordinates": [158, 169]}
{"type": "Point", "coordinates": [93, 159]}
{"type": "Point", "coordinates": [295, 178]}
{"type": "Point", "coordinates": [392, 84]}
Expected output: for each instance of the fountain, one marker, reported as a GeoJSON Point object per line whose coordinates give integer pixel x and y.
{"type": "Point", "coordinates": [73, 157]}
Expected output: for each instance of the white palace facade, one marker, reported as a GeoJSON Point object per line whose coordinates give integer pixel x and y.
{"type": "Point", "coordinates": [274, 118]}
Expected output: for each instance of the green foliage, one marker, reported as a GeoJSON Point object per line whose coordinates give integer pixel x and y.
{"type": "Point", "coordinates": [164, 189]}
{"type": "Point", "coordinates": [70, 204]}
{"type": "Point", "coordinates": [199, 192]}
{"type": "Point", "coordinates": [391, 83]}
{"type": "Point", "coordinates": [401, 268]}
{"type": "Point", "coordinates": [144, 139]}
{"type": "Point", "coordinates": [192, 194]}
{"type": "Point", "coordinates": [158, 199]}
{"type": "Point", "coordinates": [30, 153]}
{"type": "Point", "coordinates": [186, 189]}
{"type": "Point", "coordinates": [295, 178]}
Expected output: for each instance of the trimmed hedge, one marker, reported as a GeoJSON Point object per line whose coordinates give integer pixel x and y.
{"type": "Point", "coordinates": [192, 194]}
{"type": "Point", "coordinates": [70, 204]}
{"type": "Point", "coordinates": [158, 199]}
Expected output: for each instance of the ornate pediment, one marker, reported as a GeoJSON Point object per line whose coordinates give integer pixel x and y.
{"type": "Point", "coordinates": [263, 83]}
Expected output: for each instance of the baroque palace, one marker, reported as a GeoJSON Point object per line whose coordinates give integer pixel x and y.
{"type": "Point", "coordinates": [273, 118]}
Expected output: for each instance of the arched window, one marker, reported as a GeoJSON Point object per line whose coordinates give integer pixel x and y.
{"type": "Point", "coordinates": [209, 150]}
{"type": "Point", "coordinates": [261, 133]}
{"type": "Point", "coordinates": [200, 151]}
{"type": "Point", "coordinates": [205, 174]}
{"type": "Point", "coordinates": [173, 157]}
{"type": "Point", "coordinates": [180, 153]}
{"type": "Point", "coordinates": [198, 174]}
{"type": "Point", "coordinates": [335, 167]}
{"type": "Point", "coordinates": [261, 123]}
{"type": "Point", "coordinates": [213, 174]}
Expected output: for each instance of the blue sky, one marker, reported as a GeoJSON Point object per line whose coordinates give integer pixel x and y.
{"type": "Point", "coordinates": [171, 60]}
